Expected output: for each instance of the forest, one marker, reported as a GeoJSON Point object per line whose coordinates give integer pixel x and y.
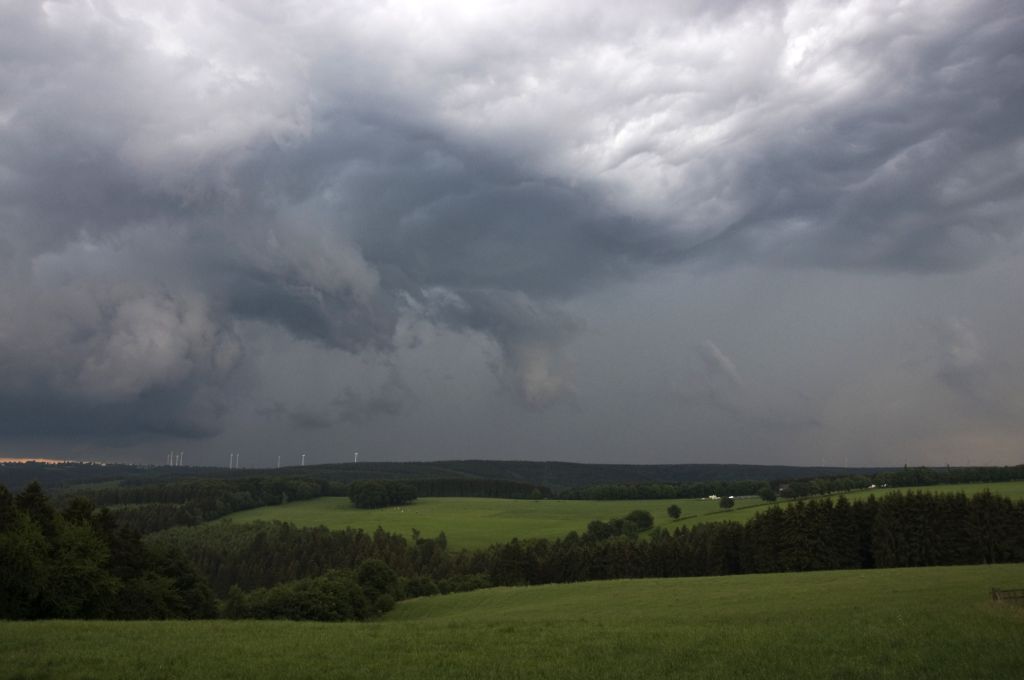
{"type": "Point", "coordinates": [187, 502]}
{"type": "Point", "coordinates": [153, 506]}
{"type": "Point", "coordinates": [79, 563]}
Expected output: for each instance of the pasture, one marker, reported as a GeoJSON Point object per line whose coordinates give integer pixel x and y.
{"type": "Point", "coordinates": [936, 622]}
{"type": "Point", "coordinates": [478, 522]}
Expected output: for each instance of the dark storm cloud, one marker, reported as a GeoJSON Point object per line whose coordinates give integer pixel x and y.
{"type": "Point", "coordinates": [168, 174]}
{"type": "Point", "coordinates": [89, 358]}
{"type": "Point", "coordinates": [530, 336]}
{"type": "Point", "coordinates": [351, 406]}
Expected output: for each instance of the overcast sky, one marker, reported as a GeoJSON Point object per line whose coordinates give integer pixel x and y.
{"type": "Point", "coordinates": [649, 232]}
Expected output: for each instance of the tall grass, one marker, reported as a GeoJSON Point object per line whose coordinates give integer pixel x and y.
{"type": "Point", "coordinates": [913, 623]}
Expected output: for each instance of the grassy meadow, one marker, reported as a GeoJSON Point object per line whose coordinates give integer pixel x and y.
{"type": "Point", "coordinates": [479, 522]}
{"type": "Point", "coordinates": [935, 622]}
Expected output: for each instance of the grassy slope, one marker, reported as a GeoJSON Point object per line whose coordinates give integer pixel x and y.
{"type": "Point", "coordinates": [911, 623]}
{"type": "Point", "coordinates": [478, 522]}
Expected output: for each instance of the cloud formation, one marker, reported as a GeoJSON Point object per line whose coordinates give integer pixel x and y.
{"type": "Point", "coordinates": [530, 337]}
{"type": "Point", "coordinates": [350, 406]}
{"type": "Point", "coordinates": [171, 171]}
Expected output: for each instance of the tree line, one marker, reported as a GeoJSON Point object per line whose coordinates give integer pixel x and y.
{"type": "Point", "coordinates": [153, 507]}
{"type": "Point", "coordinates": [77, 563]}
{"type": "Point", "coordinates": [799, 487]}
{"type": "Point", "coordinates": [147, 508]}
{"type": "Point", "coordinates": [651, 491]}
{"type": "Point", "coordinates": [382, 494]}
{"type": "Point", "coordinates": [897, 530]}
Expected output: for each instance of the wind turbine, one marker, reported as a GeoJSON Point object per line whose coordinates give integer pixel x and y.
{"type": "Point", "coordinates": [303, 462]}
{"type": "Point", "coordinates": [279, 462]}
{"type": "Point", "coordinates": [355, 457]}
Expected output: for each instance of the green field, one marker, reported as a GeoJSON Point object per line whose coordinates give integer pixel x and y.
{"type": "Point", "coordinates": [479, 522]}
{"type": "Point", "coordinates": [908, 623]}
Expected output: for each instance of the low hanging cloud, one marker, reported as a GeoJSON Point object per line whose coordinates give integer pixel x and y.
{"type": "Point", "coordinates": [530, 336]}
{"type": "Point", "coordinates": [169, 171]}
{"type": "Point", "coordinates": [82, 359]}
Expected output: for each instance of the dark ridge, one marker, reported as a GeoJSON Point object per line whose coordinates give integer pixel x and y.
{"type": "Point", "coordinates": [551, 474]}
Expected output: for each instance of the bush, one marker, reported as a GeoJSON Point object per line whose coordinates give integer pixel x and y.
{"type": "Point", "coordinates": [674, 512]}
{"type": "Point", "coordinates": [466, 582]}
{"type": "Point", "coordinates": [376, 578]}
{"type": "Point", "coordinates": [598, 530]}
{"type": "Point", "coordinates": [641, 518]}
{"type": "Point", "coordinates": [726, 502]}
{"type": "Point", "coordinates": [335, 596]}
{"type": "Point", "coordinates": [384, 603]}
{"type": "Point", "coordinates": [419, 586]}
{"type": "Point", "coordinates": [380, 494]}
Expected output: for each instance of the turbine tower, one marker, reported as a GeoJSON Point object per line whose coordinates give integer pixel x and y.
{"type": "Point", "coordinates": [279, 462]}
{"type": "Point", "coordinates": [302, 463]}
{"type": "Point", "coordinates": [355, 457]}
